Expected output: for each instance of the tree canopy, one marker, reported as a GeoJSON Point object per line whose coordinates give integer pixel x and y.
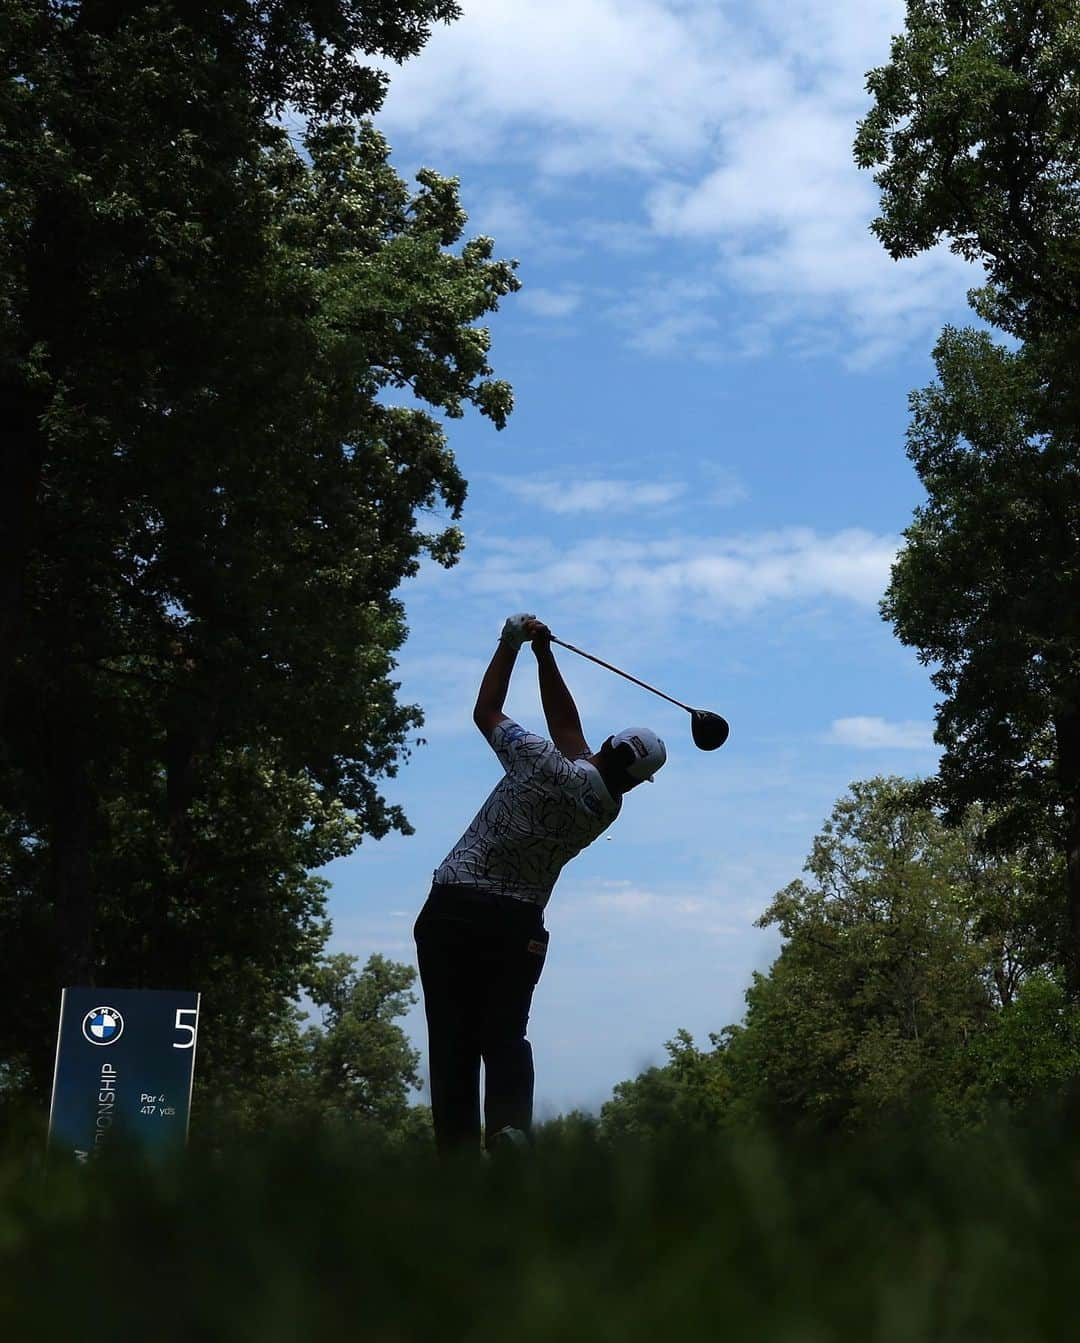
{"type": "Point", "coordinates": [222, 358]}
{"type": "Point", "coordinates": [915, 971]}
{"type": "Point", "coordinates": [975, 136]}
{"type": "Point", "coordinates": [354, 1067]}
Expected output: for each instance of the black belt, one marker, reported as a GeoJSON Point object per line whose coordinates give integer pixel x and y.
{"type": "Point", "coordinates": [493, 899]}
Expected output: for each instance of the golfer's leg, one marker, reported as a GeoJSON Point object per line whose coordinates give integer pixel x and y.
{"type": "Point", "coordinates": [508, 1059]}
{"type": "Point", "coordinates": [448, 978]}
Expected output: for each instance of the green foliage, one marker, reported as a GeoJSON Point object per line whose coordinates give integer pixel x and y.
{"type": "Point", "coordinates": [355, 1070]}
{"type": "Point", "coordinates": [909, 976]}
{"type": "Point", "coordinates": [896, 1239]}
{"type": "Point", "coordinates": [213, 492]}
{"type": "Point", "coordinates": [880, 980]}
{"type": "Point", "coordinates": [985, 585]}
{"type": "Point", "coordinates": [975, 132]}
{"type": "Point", "coordinates": [690, 1094]}
{"type": "Point", "coordinates": [1031, 1048]}
{"type": "Point", "coordinates": [362, 1065]}
{"type": "Point", "coordinates": [576, 1126]}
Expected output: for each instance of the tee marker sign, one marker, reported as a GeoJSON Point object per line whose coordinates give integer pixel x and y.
{"type": "Point", "coordinates": [125, 1064]}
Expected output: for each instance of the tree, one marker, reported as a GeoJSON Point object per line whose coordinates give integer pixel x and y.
{"type": "Point", "coordinates": [362, 1065]}
{"type": "Point", "coordinates": [880, 981]}
{"type": "Point", "coordinates": [985, 588]}
{"type": "Point", "coordinates": [129, 141]}
{"type": "Point", "coordinates": [689, 1094]}
{"type": "Point", "coordinates": [355, 1068]}
{"type": "Point", "coordinates": [901, 953]}
{"type": "Point", "coordinates": [213, 496]}
{"type": "Point", "coordinates": [1029, 1052]}
{"type": "Point", "coordinates": [976, 134]}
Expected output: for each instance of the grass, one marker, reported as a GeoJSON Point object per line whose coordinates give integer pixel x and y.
{"type": "Point", "coordinates": [316, 1236]}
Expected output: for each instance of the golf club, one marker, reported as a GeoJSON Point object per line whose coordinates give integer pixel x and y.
{"type": "Point", "coordinates": [709, 730]}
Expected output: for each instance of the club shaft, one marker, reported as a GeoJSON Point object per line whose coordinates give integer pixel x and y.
{"type": "Point", "coordinates": [600, 661]}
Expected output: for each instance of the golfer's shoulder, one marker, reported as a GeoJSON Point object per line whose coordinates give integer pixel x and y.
{"type": "Point", "coordinates": [517, 747]}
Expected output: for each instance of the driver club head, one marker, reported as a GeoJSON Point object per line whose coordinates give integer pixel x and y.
{"type": "Point", "coordinates": [709, 730]}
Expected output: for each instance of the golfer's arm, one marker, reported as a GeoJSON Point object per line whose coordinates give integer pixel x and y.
{"type": "Point", "coordinates": [561, 713]}
{"type": "Point", "coordinates": [491, 696]}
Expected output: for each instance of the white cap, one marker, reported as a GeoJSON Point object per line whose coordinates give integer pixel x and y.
{"type": "Point", "coordinates": [649, 751]}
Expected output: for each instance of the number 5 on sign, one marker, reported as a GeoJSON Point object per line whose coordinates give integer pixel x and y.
{"type": "Point", "coordinates": [189, 1043]}
{"type": "Point", "coordinates": [125, 1068]}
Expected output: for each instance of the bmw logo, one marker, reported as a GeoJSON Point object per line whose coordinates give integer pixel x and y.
{"type": "Point", "coordinates": [103, 1026]}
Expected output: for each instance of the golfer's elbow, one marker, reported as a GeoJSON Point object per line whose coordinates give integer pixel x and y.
{"type": "Point", "coordinates": [485, 716]}
{"type": "Point", "coordinates": [569, 738]}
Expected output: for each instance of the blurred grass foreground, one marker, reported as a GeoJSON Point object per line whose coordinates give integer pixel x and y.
{"type": "Point", "coordinates": [320, 1235]}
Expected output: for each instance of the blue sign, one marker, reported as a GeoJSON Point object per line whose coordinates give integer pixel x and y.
{"type": "Point", "coordinates": [125, 1063]}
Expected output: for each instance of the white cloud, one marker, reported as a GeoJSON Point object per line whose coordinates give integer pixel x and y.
{"type": "Point", "coordinates": [834, 37]}
{"type": "Point", "coordinates": [724, 489]}
{"type": "Point", "coordinates": [701, 577]}
{"type": "Point", "coordinates": [504, 213]}
{"type": "Point", "coordinates": [590, 906]}
{"type": "Point", "coordinates": [675, 333]}
{"type": "Point", "coordinates": [868, 734]}
{"type": "Point", "coordinates": [593, 496]}
{"type": "Point", "coordinates": [611, 83]}
{"type": "Point", "coordinates": [520, 225]}
{"type": "Point", "coordinates": [622, 897]}
{"type": "Point", "coordinates": [788, 215]}
{"type": "Point", "coordinates": [550, 302]}
{"type": "Point", "coordinates": [520, 228]}
{"type": "Point", "coordinates": [734, 126]}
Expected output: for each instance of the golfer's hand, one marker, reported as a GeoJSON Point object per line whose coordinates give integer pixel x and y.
{"type": "Point", "coordinates": [514, 631]}
{"type": "Point", "coordinates": [540, 635]}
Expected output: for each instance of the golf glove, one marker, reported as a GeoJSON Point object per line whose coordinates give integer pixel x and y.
{"type": "Point", "coordinates": [513, 632]}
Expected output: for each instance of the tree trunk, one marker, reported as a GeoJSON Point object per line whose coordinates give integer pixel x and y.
{"type": "Point", "coordinates": [1002, 978]}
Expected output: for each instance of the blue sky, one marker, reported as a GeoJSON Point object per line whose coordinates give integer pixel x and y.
{"type": "Point", "coordinates": [703, 480]}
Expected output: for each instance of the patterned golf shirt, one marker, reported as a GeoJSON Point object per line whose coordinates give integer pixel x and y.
{"type": "Point", "coordinates": [543, 812]}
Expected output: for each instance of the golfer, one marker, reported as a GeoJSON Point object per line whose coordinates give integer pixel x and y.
{"type": "Point", "coordinates": [480, 937]}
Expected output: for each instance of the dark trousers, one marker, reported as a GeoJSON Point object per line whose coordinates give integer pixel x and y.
{"type": "Point", "coordinates": [480, 957]}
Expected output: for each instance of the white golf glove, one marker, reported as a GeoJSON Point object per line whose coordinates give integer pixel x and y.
{"type": "Point", "coordinates": [513, 632]}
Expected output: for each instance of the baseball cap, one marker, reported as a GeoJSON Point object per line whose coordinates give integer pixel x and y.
{"type": "Point", "coordinates": [649, 751]}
